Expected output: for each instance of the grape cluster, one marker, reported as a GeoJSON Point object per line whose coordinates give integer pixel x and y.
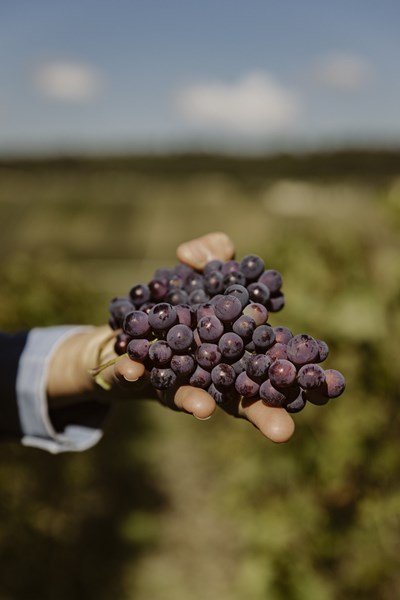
{"type": "Point", "coordinates": [211, 330]}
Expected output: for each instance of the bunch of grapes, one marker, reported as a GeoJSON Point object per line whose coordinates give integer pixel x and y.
{"type": "Point", "coordinates": [210, 330]}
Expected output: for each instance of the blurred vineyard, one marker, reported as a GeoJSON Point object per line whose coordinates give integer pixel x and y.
{"type": "Point", "coordinates": [168, 508]}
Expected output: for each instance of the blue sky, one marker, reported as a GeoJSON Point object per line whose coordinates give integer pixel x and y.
{"type": "Point", "coordinates": [97, 75]}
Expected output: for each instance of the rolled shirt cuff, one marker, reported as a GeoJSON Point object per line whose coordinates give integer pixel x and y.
{"type": "Point", "coordinates": [37, 428]}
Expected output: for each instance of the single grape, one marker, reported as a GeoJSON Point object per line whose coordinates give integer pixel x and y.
{"type": "Point", "coordinates": [276, 351]}
{"type": "Point", "coordinates": [223, 376]}
{"type": "Point", "coordinates": [162, 378]}
{"type": "Point", "coordinates": [245, 386]}
{"type": "Point", "coordinates": [228, 308]}
{"type": "Point", "coordinates": [239, 291]}
{"type": "Point", "coordinates": [184, 271]}
{"type": "Point", "coordinates": [119, 307]}
{"type": "Point", "coordinates": [222, 398]}
{"type": "Point", "coordinates": [231, 346]}
{"type": "Point", "coordinates": [205, 309]}
{"type": "Point", "coordinates": [276, 303]}
{"type": "Point", "coordinates": [146, 307]}
{"type": "Point", "coordinates": [212, 265]}
{"type": "Point", "coordinates": [160, 353]}
{"type": "Point", "coordinates": [210, 328]}
{"type": "Point", "coordinates": [257, 367]}
{"type": "Point", "coordinates": [175, 282]}
{"type": "Point", "coordinates": [270, 395]}
{"type": "Point", "coordinates": [136, 324]}
{"type": "Point", "coordinates": [263, 337]}
{"type": "Point", "coordinates": [302, 349]}
{"type": "Point", "coordinates": [229, 266]}
{"type": "Point", "coordinates": [213, 283]}
{"type": "Point", "coordinates": [245, 327]}
{"type": "Point", "coordinates": [208, 355]}
{"type": "Point", "coordinates": [177, 296]}
{"type": "Point", "coordinates": [138, 349]}
{"type": "Point", "coordinates": [198, 296]}
{"type": "Point", "coordinates": [162, 316]}
{"type": "Point", "coordinates": [140, 294]}
{"type": "Point", "coordinates": [241, 365]}
{"type": "Point", "coordinates": [251, 266]}
{"type": "Point", "coordinates": [194, 281]}
{"type": "Point", "coordinates": [234, 277]}
{"type": "Point", "coordinates": [121, 343]}
{"type": "Point", "coordinates": [335, 383]}
{"type": "Point", "coordinates": [282, 334]}
{"type": "Point", "coordinates": [180, 338]}
{"type": "Point", "coordinates": [184, 314]}
{"type": "Point", "coordinates": [200, 378]}
{"type": "Point", "coordinates": [282, 373]}
{"type": "Point", "coordinates": [258, 292]}
{"type": "Point", "coordinates": [163, 275]}
{"type": "Point", "coordinates": [256, 311]}
{"type": "Point", "coordinates": [323, 350]}
{"type": "Point", "coordinates": [311, 376]}
{"type": "Point", "coordinates": [158, 290]}
{"type": "Point", "coordinates": [272, 279]}
{"type": "Point", "coordinates": [183, 364]}
{"type": "Point", "coordinates": [296, 400]}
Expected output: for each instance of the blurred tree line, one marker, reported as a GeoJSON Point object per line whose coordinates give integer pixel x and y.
{"type": "Point", "coordinates": [169, 508]}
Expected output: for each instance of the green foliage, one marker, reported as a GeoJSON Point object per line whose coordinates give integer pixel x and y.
{"type": "Point", "coordinates": [164, 506]}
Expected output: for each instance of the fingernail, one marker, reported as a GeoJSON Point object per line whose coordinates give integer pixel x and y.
{"type": "Point", "coordinates": [130, 380]}
{"type": "Point", "coordinates": [202, 418]}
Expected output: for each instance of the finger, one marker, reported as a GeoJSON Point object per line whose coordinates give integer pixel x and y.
{"type": "Point", "coordinates": [195, 401]}
{"type": "Point", "coordinates": [275, 423]}
{"type": "Point", "coordinates": [128, 369]}
{"type": "Point", "coordinates": [199, 251]}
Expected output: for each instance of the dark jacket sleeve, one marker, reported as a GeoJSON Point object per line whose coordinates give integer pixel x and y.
{"type": "Point", "coordinates": [11, 347]}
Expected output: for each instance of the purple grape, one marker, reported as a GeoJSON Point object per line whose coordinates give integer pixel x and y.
{"type": "Point", "coordinates": [184, 271]}
{"type": "Point", "coordinates": [183, 364]}
{"type": "Point", "coordinates": [184, 314]}
{"type": "Point", "coordinates": [162, 378]}
{"type": "Point", "coordinates": [200, 378]}
{"type": "Point", "coordinates": [175, 282]}
{"type": "Point", "coordinates": [239, 291]}
{"type": "Point", "coordinates": [228, 308]}
{"type": "Point", "coordinates": [213, 265]}
{"type": "Point", "coordinates": [119, 308]}
{"type": "Point", "coordinates": [234, 277]}
{"type": "Point", "coordinates": [222, 398]}
{"type": "Point", "coordinates": [138, 349]}
{"type": "Point", "coordinates": [251, 266]}
{"type": "Point", "coordinates": [245, 327]}
{"type": "Point", "coordinates": [121, 343]}
{"type": "Point", "coordinates": [302, 349]}
{"type": "Point", "coordinates": [213, 283]}
{"type": "Point", "coordinates": [208, 355]}
{"type": "Point", "coordinates": [272, 279]}
{"type": "Point", "coordinates": [223, 376]}
{"type": "Point", "coordinates": [205, 310]}
{"type": "Point", "coordinates": [277, 351]}
{"type": "Point", "coordinates": [140, 294]}
{"type": "Point", "coordinates": [263, 337]}
{"type": "Point", "coordinates": [323, 350]}
{"type": "Point", "coordinates": [160, 353]}
{"type": "Point", "coordinates": [163, 275]}
{"type": "Point", "coordinates": [257, 367]}
{"type": "Point", "coordinates": [256, 311]}
{"type": "Point", "coordinates": [231, 346]}
{"type": "Point", "coordinates": [335, 383]}
{"type": "Point", "coordinates": [241, 364]}
{"type": "Point", "coordinates": [177, 296]}
{"type": "Point", "coordinates": [229, 266]}
{"type": "Point", "coordinates": [210, 328]}
{"type": "Point", "coordinates": [245, 386]}
{"type": "Point", "coordinates": [146, 307]}
{"type": "Point", "coordinates": [270, 395]}
{"type": "Point", "coordinates": [162, 316]}
{"type": "Point", "coordinates": [282, 334]}
{"type": "Point", "coordinates": [198, 296]}
{"type": "Point", "coordinates": [282, 373]}
{"type": "Point", "coordinates": [296, 400]}
{"type": "Point", "coordinates": [258, 292]}
{"type": "Point", "coordinates": [194, 282]}
{"type": "Point", "coordinates": [158, 290]}
{"type": "Point", "coordinates": [276, 303]}
{"type": "Point", "coordinates": [311, 376]}
{"type": "Point", "coordinates": [180, 338]}
{"type": "Point", "coordinates": [136, 324]}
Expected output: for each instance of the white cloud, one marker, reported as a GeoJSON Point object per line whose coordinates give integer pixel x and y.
{"type": "Point", "coordinates": [343, 72]}
{"type": "Point", "coordinates": [69, 82]}
{"type": "Point", "coordinates": [255, 104]}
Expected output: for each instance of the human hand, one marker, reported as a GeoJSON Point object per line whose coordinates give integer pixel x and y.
{"type": "Point", "coordinates": [69, 380]}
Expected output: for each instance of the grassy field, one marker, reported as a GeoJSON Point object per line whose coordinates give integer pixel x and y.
{"type": "Point", "coordinates": [169, 508]}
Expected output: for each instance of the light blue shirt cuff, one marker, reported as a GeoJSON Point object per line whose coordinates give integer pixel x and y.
{"type": "Point", "coordinates": [32, 399]}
